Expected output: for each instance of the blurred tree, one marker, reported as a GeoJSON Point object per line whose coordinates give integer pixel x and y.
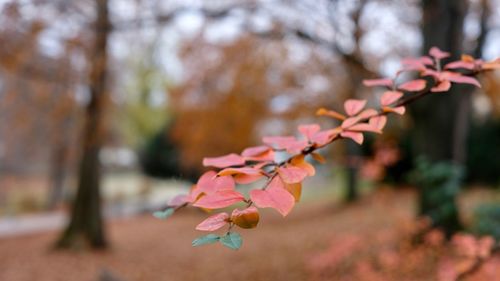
{"type": "Point", "coordinates": [86, 222]}
{"type": "Point", "coordinates": [441, 124]}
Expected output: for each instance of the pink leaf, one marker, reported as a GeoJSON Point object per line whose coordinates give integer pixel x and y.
{"type": "Point", "coordinates": [378, 82]}
{"type": "Point", "coordinates": [367, 113]}
{"type": "Point", "coordinates": [413, 86]}
{"type": "Point", "coordinates": [442, 86]}
{"type": "Point", "coordinates": [219, 199]}
{"type": "Point", "coordinates": [213, 222]}
{"type": "Point", "coordinates": [460, 64]}
{"type": "Point", "coordinates": [292, 174]}
{"type": "Point", "coordinates": [426, 60]}
{"type": "Point", "coordinates": [390, 97]}
{"type": "Point", "coordinates": [365, 127]}
{"type": "Point", "coordinates": [209, 183]}
{"type": "Point", "coordinates": [255, 151]}
{"type": "Point", "coordinates": [309, 130]}
{"type": "Point", "coordinates": [291, 144]}
{"type": "Point", "coordinates": [224, 161]}
{"type": "Point", "coordinates": [378, 121]}
{"type": "Point", "coordinates": [433, 73]}
{"type": "Point", "coordinates": [464, 80]}
{"type": "Point", "coordinates": [438, 54]}
{"type": "Point", "coordinates": [355, 136]}
{"type": "Point", "coordinates": [324, 137]}
{"type": "Point", "coordinates": [353, 107]}
{"type": "Point", "coordinates": [274, 196]}
{"type": "Point", "coordinates": [243, 175]}
{"type": "Point", "coordinates": [350, 121]}
{"type": "Point", "coordinates": [413, 64]}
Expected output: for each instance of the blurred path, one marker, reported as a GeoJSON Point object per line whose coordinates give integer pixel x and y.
{"type": "Point", "coordinates": [13, 226]}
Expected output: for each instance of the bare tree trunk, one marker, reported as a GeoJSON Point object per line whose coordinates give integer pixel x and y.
{"type": "Point", "coordinates": [439, 132]}
{"type": "Point", "coordinates": [86, 224]}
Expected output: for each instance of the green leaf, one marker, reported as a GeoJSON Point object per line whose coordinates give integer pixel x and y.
{"type": "Point", "coordinates": [163, 214]}
{"type": "Point", "coordinates": [207, 239]}
{"type": "Point", "coordinates": [231, 240]}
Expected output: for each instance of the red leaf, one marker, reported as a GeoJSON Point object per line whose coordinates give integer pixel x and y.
{"type": "Point", "coordinates": [309, 130]}
{"type": "Point", "coordinates": [274, 196]}
{"type": "Point", "coordinates": [438, 54]}
{"type": "Point", "coordinates": [213, 222]}
{"type": "Point", "coordinates": [413, 86]}
{"type": "Point", "coordinates": [464, 80]}
{"type": "Point", "coordinates": [355, 136]}
{"type": "Point", "coordinates": [390, 97]}
{"type": "Point", "coordinates": [224, 161]}
{"type": "Point", "coordinates": [219, 199]}
{"type": "Point", "coordinates": [292, 174]}
{"type": "Point", "coordinates": [378, 82]}
{"type": "Point", "coordinates": [442, 86]}
{"type": "Point", "coordinates": [353, 107]}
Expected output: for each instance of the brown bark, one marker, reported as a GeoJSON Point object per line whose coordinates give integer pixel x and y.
{"type": "Point", "coordinates": [86, 225]}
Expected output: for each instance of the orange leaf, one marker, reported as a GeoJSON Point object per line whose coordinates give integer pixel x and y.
{"type": "Point", "coordinates": [398, 110]}
{"type": "Point", "coordinates": [248, 218]}
{"type": "Point", "coordinates": [300, 162]}
{"type": "Point", "coordinates": [331, 113]}
{"type": "Point", "coordinates": [318, 157]}
{"type": "Point", "coordinates": [292, 174]}
{"type": "Point", "coordinates": [295, 189]}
